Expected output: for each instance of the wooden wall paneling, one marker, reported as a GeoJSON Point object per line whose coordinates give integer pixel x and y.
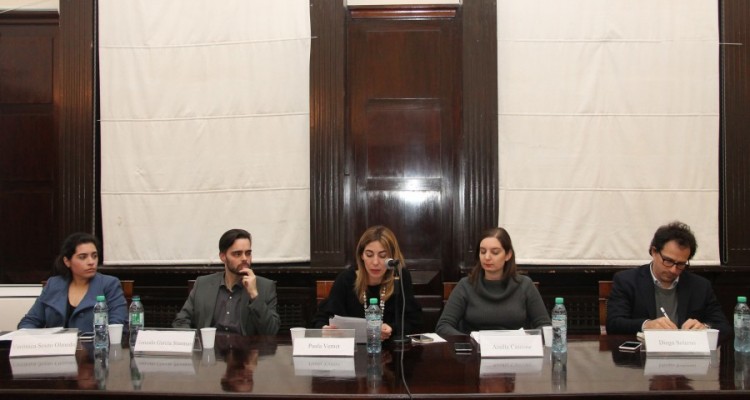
{"type": "Point", "coordinates": [77, 166]}
{"type": "Point", "coordinates": [328, 178]}
{"type": "Point", "coordinates": [28, 157]}
{"type": "Point", "coordinates": [735, 141]}
{"type": "Point", "coordinates": [477, 184]}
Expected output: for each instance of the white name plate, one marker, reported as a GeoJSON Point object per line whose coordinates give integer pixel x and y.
{"type": "Point", "coordinates": [676, 366]}
{"type": "Point", "coordinates": [165, 342]}
{"type": "Point", "coordinates": [676, 343]}
{"type": "Point", "coordinates": [44, 367]}
{"type": "Point", "coordinates": [499, 366]}
{"type": "Point", "coordinates": [168, 365]}
{"type": "Point", "coordinates": [336, 347]}
{"type": "Point", "coordinates": [515, 345]}
{"type": "Point", "coordinates": [56, 344]}
{"type": "Point", "coordinates": [339, 367]}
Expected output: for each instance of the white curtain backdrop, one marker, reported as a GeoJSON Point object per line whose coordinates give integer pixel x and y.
{"type": "Point", "coordinates": [205, 127]}
{"type": "Point", "coordinates": [608, 126]}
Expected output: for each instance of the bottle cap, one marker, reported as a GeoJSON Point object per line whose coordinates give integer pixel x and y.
{"type": "Point", "coordinates": [558, 300]}
{"type": "Point", "coordinates": [100, 297]}
{"type": "Point", "coordinates": [136, 298]}
{"type": "Point", "coordinates": [373, 301]}
{"type": "Point", "coordinates": [741, 299]}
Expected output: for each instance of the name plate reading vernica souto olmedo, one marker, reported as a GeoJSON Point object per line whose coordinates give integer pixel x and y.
{"type": "Point", "coordinates": [55, 344]}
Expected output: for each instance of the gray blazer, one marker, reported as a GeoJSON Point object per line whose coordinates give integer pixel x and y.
{"type": "Point", "coordinates": [258, 318]}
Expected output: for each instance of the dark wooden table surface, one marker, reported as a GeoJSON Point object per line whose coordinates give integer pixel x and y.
{"type": "Point", "coordinates": [265, 368]}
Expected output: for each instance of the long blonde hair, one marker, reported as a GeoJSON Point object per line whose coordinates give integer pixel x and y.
{"type": "Point", "coordinates": [386, 238]}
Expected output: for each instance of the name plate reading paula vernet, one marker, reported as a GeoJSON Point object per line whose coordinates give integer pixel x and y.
{"type": "Point", "coordinates": [676, 343]}
{"type": "Point", "coordinates": [324, 346]}
{"type": "Point", "coordinates": [167, 342]}
{"type": "Point", "coordinates": [56, 344]}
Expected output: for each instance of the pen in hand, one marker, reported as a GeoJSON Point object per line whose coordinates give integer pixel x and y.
{"type": "Point", "coordinates": [664, 313]}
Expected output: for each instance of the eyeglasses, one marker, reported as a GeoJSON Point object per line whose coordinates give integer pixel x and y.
{"type": "Point", "coordinates": [669, 263]}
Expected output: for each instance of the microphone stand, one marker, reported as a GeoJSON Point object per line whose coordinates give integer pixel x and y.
{"type": "Point", "coordinates": [400, 341]}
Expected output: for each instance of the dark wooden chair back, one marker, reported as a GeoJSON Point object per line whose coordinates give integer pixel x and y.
{"type": "Point", "coordinates": [322, 289]}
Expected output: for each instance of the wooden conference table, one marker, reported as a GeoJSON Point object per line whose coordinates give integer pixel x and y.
{"type": "Point", "coordinates": [265, 368]}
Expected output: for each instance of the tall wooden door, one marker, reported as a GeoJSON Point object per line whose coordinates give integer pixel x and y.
{"type": "Point", "coordinates": [28, 145]}
{"type": "Point", "coordinates": [403, 88]}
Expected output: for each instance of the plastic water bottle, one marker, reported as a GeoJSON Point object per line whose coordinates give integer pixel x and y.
{"type": "Point", "coordinates": [741, 370]}
{"type": "Point", "coordinates": [374, 372]}
{"type": "Point", "coordinates": [136, 319]}
{"type": "Point", "coordinates": [101, 367]}
{"type": "Point", "coordinates": [560, 372]}
{"type": "Point", "coordinates": [101, 323]}
{"type": "Point", "coordinates": [742, 325]}
{"type": "Point", "coordinates": [374, 318]}
{"type": "Point", "coordinates": [559, 327]}
{"type": "Point", "coordinates": [136, 378]}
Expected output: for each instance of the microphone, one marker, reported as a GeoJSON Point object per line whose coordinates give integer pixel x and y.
{"type": "Point", "coordinates": [391, 263]}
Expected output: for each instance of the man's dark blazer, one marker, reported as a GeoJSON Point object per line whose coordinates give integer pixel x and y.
{"type": "Point", "coordinates": [632, 301]}
{"type": "Point", "coordinates": [259, 317]}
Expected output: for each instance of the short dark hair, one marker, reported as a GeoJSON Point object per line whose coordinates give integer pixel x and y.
{"type": "Point", "coordinates": [68, 249]}
{"type": "Point", "coordinates": [230, 236]}
{"type": "Point", "coordinates": [677, 231]}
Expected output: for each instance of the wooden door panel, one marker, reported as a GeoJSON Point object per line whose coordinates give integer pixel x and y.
{"type": "Point", "coordinates": [26, 60]}
{"type": "Point", "coordinates": [404, 122]}
{"type": "Point", "coordinates": [28, 146]}
{"type": "Point", "coordinates": [27, 236]}
{"type": "Point", "coordinates": [415, 217]}
{"type": "Point", "coordinates": [402, 139]}
{"type": "Point", "coordinates": [27, 142]}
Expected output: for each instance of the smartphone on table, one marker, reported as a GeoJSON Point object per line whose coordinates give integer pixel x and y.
{"type": "Point", "coordinates": [630, 346]}
{"type": "Point", "coordinates": [421, 339]}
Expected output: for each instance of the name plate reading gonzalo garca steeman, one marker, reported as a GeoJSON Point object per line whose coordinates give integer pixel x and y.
{"type": "Point", "coordinates": [56, 344]}
{"type": "Point", "coordinates": [676, 343]}
{"type": "Point", "coordinates": [510, 344]}
{"type": "Point", "coordinates": [166, 343]}
{"type": "Point", "coordinates": [324, 346]}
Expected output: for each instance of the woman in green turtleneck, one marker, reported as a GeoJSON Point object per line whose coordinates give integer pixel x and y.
{"type": "Point", "coordinates": [493, 296]}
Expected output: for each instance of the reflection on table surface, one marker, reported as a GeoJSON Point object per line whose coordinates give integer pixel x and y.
{"type": "Point", "coordinates": [264, 366]}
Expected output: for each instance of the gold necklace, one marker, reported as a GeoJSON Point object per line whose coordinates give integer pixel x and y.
{"type": "Point", "coordinates": [382, 299]}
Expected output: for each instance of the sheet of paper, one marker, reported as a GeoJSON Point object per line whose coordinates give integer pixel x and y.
{"type": "Point", "coordinates": [27, 331]}
{"type": "Point", "coordinates": [358, 324]}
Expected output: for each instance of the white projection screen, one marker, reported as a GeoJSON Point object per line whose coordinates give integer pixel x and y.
{"type": "Point", "coordinates": [204, 128]}
{"type": "Point", "coordinates": [608, 127]}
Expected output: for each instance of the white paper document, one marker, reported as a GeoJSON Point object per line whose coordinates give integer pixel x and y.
{"type": "Point", "coordinates": [358, 324]}
{"type": "Point", "coordinates": [27, 331]}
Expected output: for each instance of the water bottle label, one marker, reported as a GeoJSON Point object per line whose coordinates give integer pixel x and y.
{"type": "Point", "coordinates": [136, 319]}
{"type": "Point", "coordinates": [100, 319]}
